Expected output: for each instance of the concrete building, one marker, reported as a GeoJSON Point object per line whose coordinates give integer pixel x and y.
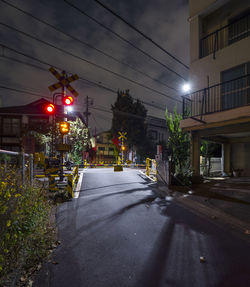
{"type": "Point", "coordinates": [219, 107]}
{"type": "Point", "coordinates": [157, 130]}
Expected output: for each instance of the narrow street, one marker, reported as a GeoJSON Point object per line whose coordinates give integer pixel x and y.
{"type": "Point", "coordinates": [120, 233]}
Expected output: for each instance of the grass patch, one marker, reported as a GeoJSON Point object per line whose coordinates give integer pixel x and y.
{"type": "Point", "coordinates": [26, 234]}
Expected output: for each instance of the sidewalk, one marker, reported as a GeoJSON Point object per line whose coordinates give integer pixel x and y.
{"type": "Point", "coordinates": [223, 200]}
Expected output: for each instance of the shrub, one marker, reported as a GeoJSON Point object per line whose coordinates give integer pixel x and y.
{"type": "Point", "coordinates": [24, 221]}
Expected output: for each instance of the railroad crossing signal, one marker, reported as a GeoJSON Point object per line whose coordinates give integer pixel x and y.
{"type": "Point", "coordinates": [64, 128]}
{"type": "Point", "coordinates": [122, 135]}
{"type": "Point", "coordinates": [63, 82]}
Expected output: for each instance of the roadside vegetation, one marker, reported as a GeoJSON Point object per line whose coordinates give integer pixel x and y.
{"type": "Point", "coordinates": [178, 148]}
{"type": "Point", "coordinates": [26, 233]}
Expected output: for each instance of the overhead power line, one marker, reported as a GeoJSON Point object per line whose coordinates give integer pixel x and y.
{"type": "Point", "coordinates": [87, 61]}
{"type": "Point", "coordinates": [81, 78]}
{"type": "Point", "coordinates": [127, 114]}
{"type": "Point", "coordinates": [88, 45]}
{"type": "Point", "coordinates": [125, 40]}
{"type": "Point", "coordinates": [24, 92]}
{"type": "Point", "coordinates": [141, 33]}
{"type": "Point", "coordinates": [38, 95]}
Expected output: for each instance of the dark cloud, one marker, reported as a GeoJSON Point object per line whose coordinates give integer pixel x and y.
{"type": "Point", "coordinates": [164, 21]}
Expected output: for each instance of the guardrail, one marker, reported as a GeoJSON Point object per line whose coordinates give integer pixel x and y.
{"type": "Point", "coordinates": [25, 162]}
{"type": "Point", "coordinates": [72, 181]}
{"type": "Point", "coordinates": [151, 168]}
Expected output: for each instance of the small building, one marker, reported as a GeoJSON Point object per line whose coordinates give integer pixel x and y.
{"type": "Point", "coordinates": [219, 108]}
{"type": "Point", "coordinates": [105, 150]}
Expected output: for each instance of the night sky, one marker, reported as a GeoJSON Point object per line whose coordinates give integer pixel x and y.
{"type": "Point", "coordinates": [162, 20]}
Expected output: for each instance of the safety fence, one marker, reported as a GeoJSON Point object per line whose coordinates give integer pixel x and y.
{"type": "Point", "coordinates": [151, 168]}
{"type": "Point", "coordinates": [22, 161]}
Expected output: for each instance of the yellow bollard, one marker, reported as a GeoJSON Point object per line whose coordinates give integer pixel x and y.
{"type": "Point", "coordinates": [147, 166]}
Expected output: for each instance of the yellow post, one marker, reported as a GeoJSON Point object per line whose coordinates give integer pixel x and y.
{"type": "Point", "coordinates": [147, 166]}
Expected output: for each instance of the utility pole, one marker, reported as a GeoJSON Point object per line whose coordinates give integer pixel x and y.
{"type": "Point", "coordinates": [87, 113]}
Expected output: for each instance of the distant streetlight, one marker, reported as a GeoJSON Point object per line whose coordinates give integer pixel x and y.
{"type": "Point", "coordinates": [186, 88]}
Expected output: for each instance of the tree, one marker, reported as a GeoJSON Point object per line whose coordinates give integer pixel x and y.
{"type": "Point", "coordinates": [78, 137]}
{"type": "Point", "coordinates": [178, 146]}
{"type": "Point", "coordinates": [129, 116]}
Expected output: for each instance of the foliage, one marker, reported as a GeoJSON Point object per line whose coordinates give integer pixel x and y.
{"type": "Point", "coordinates": [24, 221]}
{"type": "Point", "coordinates": [209, 150]}
{"type": "Point", "coordinates": [78, 137]}
{"type": "Point", "coordinates": [129, 116]}
{"type": "Point", "coordinates": [178, 146]}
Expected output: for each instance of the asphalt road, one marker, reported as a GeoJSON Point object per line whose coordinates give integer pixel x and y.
{"type": "Point", "coordinates": [122, 232]}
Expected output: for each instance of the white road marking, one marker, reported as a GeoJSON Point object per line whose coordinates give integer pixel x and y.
{"type": "Point", "coordinates": [147, 176]}
{"type": "Point", "coordinates": [78, 187]}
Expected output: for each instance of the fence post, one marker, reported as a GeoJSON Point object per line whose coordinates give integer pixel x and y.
{"type": "Point", "coordinates": [22, 166]}
{"type": "Point", "coordinates": [31, 171]}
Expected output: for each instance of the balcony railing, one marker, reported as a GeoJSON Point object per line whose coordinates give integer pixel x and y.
{"type": "Point", "coordinates": [225, 36]}
{"type": "Point", "coordinates": [225, 96]}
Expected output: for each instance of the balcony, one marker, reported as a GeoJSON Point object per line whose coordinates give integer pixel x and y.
{"type": "Point", "coordinates": [221, 97]}
{"type": "Point", "coordinates": [225, 36]}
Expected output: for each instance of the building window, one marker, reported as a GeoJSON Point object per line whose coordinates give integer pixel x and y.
{"type": "Point", "coordinates": [235, 88]}
{"type": "Point", "coordinates": [111, 149]}
{"type": "Point", "coordinates": [101, 148]}
{"type": "Point", "coordinates": [153, 135]}
{"type": "Point", "coordinates": [11, 127]}
{"type": "Point", "coordinates": [239, 27]}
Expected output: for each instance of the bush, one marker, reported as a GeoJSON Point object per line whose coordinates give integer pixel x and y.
{"type": "Point", "coordinates": [24, 219]}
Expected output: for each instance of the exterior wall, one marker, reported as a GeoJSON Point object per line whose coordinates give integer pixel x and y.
{"type": "Point", "coordinates": [240, 157]}
{"type": "Point", "coordinates": [208, 68]}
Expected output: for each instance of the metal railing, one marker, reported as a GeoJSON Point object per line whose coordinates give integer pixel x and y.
{"type": "Point", "coordinates": [224, 96]}
{"type": "Point", "coordinates": [24, 163]}
{"type": "Point", "coordinates": [225, 36]}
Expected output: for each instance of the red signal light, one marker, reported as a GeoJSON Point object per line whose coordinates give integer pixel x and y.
{"type": "Point", "coordinates": [50, 109]}
{"type": "Point", "coordinates": [68, 100]}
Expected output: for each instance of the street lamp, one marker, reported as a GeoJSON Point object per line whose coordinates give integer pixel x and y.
{"type": "Point", "coordinates": [186, 87]}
